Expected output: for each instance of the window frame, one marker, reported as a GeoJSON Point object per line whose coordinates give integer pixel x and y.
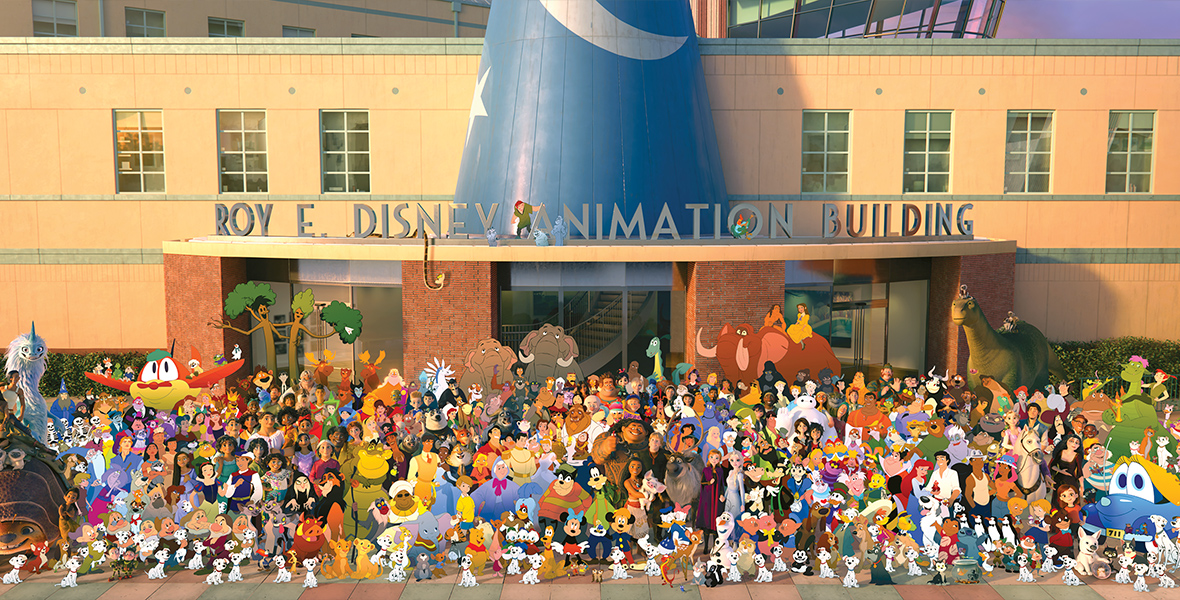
{"type": "Point", "coordinates": [222, 152]}
{"type": "Point", "coordinates": [1027, 153]}
{"type": "Point", "coordinates": [1130, 132]}
{"type": "Point", "coordinates": [127, 24]}
{"type": "Point", "coordinates": [826, 173]}
{"type": "Point", "coordinates": [139, 152]}
{"type": "Point", "coordinates": [293, 28]}
{"type": "Point", "coordinates": [225, 23]}
{"type": "Point", "coordinates": [348, 173]}
{"type": "Point", "coordinates": [56, 21]}
{"type": "Point", "coordinates": [926, 172]}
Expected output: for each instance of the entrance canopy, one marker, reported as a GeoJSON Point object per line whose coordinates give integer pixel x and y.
{"type": "Point", "coordinates": [588, 251]}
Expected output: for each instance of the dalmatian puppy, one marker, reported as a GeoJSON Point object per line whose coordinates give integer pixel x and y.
{"type": "Point", "coordinates": [890, 552]}
{"type": "Point", "coordinates": [1070, 576]}
{"type": "Point", "coordinates": [911, 557]}
{"type": "Point", "coordinates": [652, 567]}
{"type": "Point", "coordinates": [1048, 562]}
{"type": "Point", "coordinates": [1026, 575]}
{"type": "Point", "coordinates": [1140, 578]}
{"type": "Point", "coordinates": [399, 560]}
{"type": "Point", "coordinates": [1165, 580]}
{"type": "Point", "coordinates": [310, 564]}
{"type": "Point", "coordinates": [214, 578]}
{"type": "Point", "coordinates": [99, 549]}
{"type": "Point", "coordinates": [468, 578]}
{"type": "Point", "coordinates": [514, 555]}
{"type": "Point", "coordinates": [197, 562]}
{"type": "Point", "coordinates": [284, 575]}
{"type": "Point", "coordinates": [235, 574]}
{"type": "Point", "coordinates": [1124, 574]}
{"type": "Point", "coordinates": [181, 537]}
{"type": "Point", "coordinates": [850, 579]}
{"type": "Point", "coordinates": [825, 567]}
{"type": "Point", "coordinates": [735, 575]}
{"type": "Point", "coordinates": [779, 564]}
{"type": "Point", "coordinates": [71, 579]}
{"type": "Point", "coordinates": [13, 577]}
{"type": "Point", "coordinates": [764, 575]}
{"type": "Point", "coordinates": [157, 571]}
{"type": "Point", "coordinates": [385, 546]}
{"type": "Point", "coordinates": [531, 577]}
{"type": "Point", "coordinates": [618, 569]}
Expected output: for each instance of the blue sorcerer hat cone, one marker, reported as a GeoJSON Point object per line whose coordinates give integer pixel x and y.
{"type": "Point", "coordinates": [585, 102]}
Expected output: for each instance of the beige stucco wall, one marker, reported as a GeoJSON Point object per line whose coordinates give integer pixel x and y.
{"type": "Point", "coordinates": [57, 156]}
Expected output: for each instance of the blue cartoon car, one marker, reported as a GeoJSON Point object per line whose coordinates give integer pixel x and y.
{"type": "Point", "coordinates": [1138, 489]}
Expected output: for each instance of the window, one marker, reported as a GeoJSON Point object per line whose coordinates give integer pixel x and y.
{"type": "Point", "coordinates": [361, 35]}
{"type": "Point", "coordinates": [1029, 152]}
{"type": "Point", "coordinates": [1128, 152]}
{"type": "Point", "coordinates": [927, 164]}
{"type": "Point", "coordinates": [226, 28]}
{"type": "Point", "coordinates": [242, 141]}
{"type": "Point", "coordinates": [55, 18]}
{"type": "Point", "coordinates": [825, 152]}
{"type": "Point", "coordinates": [345, 143]}
{"type": "Point", "coordinates": [139, 146]}
{"type": "Point", "coordinates": [289, 31]}
{"type": "Point", "coordinates": [144, 23]}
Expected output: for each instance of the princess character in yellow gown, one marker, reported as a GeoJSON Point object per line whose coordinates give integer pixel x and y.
{"type": "Point", "coordinates": [801, 330]}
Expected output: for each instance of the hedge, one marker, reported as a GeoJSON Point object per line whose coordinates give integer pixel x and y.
{"type": "Point", "coordinates": [1082, 359]}
{"type": "Point", "coordinates": [73, 367]}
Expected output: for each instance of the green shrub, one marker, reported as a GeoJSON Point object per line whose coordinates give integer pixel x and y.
{"type": "Point", "coordinates": [73, 367]}
{"type": "Point", "coordinates": [1106, 357]}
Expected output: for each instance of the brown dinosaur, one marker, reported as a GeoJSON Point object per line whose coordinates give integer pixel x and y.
{"type": "Point", "coordinates": [1020, 356]}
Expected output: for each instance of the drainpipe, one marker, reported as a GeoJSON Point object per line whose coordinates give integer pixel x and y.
{"type": "Point", "coordinates": [102, 19]}
{"type": "Point", "coordinates": [456, 7]}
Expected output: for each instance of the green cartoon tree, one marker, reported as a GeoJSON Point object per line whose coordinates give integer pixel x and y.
{"type": "Point", "coordinates": [256, 298]}
{"type": "Point", "coordinates": [302, 304]}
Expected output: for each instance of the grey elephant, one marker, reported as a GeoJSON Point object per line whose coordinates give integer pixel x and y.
{"type": "Point", "coordinates": [549, 352]}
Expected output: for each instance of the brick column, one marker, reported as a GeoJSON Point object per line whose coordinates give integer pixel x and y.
{"type": "Point", "coordinates": [448, 322]}
{"type": "Point", "coordinates": [990, 278]}
{"type": "Point", "coordinates": [942, 335]}
{"type": "Point", "coordinates": [727, 292]}
{"type": "Point", "coordinates": [195, 288]}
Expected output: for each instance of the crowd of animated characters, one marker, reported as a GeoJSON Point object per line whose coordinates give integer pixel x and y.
{"type": "Point", "coordinates": [514, 463]}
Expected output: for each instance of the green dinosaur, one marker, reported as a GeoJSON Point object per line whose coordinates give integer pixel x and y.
{"type": "Point", "coordinates": [1133, 413]}
{"type": "Point", "coordinates": [653, 351]}
{"type": "Point", "coordinates": [1020, 356]}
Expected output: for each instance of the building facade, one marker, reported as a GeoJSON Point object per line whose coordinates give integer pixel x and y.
{"type": "Point", "coordinates": [118, 153]}
{"type": "Point", "coordinates": [243, 18]}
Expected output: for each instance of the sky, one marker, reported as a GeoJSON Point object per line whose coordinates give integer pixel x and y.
{"type": "Point", "coordinates": [1091, 19]}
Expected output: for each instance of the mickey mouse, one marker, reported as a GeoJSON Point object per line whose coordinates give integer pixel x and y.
{"type": "Point", "coordinates": [621, 522]}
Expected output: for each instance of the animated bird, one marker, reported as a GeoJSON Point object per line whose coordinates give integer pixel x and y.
{"type": "Point", "coordinates": [162, 382]}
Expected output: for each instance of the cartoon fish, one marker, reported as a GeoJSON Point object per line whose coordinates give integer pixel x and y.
{"type": "Point", "coordinates": [162, 384]}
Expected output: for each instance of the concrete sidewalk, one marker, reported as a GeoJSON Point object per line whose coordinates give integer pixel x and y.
{"type": "Point", "coordinates": [184, 585]}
